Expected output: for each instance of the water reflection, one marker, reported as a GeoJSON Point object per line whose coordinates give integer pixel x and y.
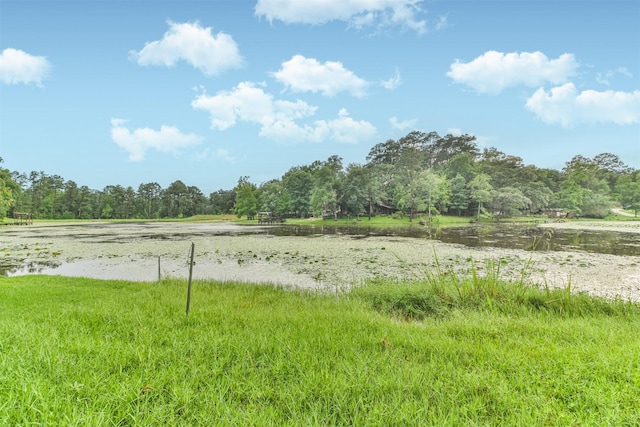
{"type": "Point", "coordinates": [500, 236]}
{"type": "Point", "coordinates": [29, 267]}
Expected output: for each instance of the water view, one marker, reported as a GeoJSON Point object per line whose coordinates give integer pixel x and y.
{"type": "Point", "coordinates": [487, 235]}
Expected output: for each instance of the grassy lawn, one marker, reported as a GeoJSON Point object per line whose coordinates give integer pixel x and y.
{"type": "Point", "coordinates": [442, 351]}
{"type": "Point", "coordinates": [380, 221]}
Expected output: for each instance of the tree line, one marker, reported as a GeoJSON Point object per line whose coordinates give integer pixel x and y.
{"type": "Point", "coordinates": [418, 174]}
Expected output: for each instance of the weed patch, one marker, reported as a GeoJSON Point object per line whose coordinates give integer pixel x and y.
{"type": "Point", "coordinates": [441, 291]}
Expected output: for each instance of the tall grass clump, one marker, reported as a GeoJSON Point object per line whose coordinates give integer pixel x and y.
{"type": "Point", "coordinates": [77, 352]}
{"type": "Point", "coordinates": [440, 291]}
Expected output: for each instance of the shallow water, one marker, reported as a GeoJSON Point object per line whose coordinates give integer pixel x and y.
{"type": "Point", "coordinates": [524, 237]}
{"type": "Point", "coordinates": [529, 238]}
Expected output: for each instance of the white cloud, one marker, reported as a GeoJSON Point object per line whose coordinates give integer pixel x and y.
{"type": "Point", "coordinates": [17, 66]}
{"type": "Point", "coordinates": [356, 13]}
{"type": "Point", "coordinates": [168, 139]}
{"type": "Point", "coordinates": [302, 74]}
{"type": "Point", "coordinates": [604, 78]}
{"type": "Point", "coordinates": [494, 71]}
{"type": "Point", "coordinates": [454, 131]}
{"type": "Point", "coordinates": [441, 23]}
{"type": "Point", "coordinates": [393, 82]}
{"type": "Point", "coordinates": [224, 154]}
{"type": "Point", "coordinates": [402, 125]}
{"type": "Point", "coordinates": [346, 130]}
{"type": "Point", "coordinates": [566, 106]}
{"type": "Point", "coordinates": [278, 119]}
{"type": "Point", "coordinates": [220, 153]}
{"type": "Point", "coordinates": [210, 53]}
{"type": "Point", "coordinates": [249, 103]}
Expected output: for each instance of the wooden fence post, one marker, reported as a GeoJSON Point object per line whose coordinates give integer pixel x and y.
{"type": "Point", "coordinates": [193, 248]}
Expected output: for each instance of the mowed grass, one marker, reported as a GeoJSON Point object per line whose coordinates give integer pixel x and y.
{"type": "Point", "coordinates": [442, 351]}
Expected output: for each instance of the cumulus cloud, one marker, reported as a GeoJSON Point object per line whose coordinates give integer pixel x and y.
{"type": "Point", "coordinates": [301, 74]}
{"type": "Point", "coordinates": [344, 129]}
{"type": "Point", "coordinates": [278, 119]}
{"type": "Point", "coordinates": [210, 53]}
{"type": "Point", "coordinates": [402, 125]}
{"type": "Point", "coordinates": [357, 13]}
{"type": "Point", "coordinates": [494, 71]}
{"type": "Point", "coordinates": [17, 66]}
{"type": "Point", "coordinates": [168, 139]}
{"type": "Point", "coordinates": [566, 106]}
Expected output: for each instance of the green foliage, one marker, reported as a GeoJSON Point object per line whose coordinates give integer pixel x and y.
{"type": "Point", "coordinates": [628, 191]}
{"type": "Point", "coordinates": [459, 194]}
{"type": "Point", "coordinates": [509, 201]}
{"type": "Point", "coordinates": [6, 199]}
{"type": "Point", "coordinates": [442, 293]}
{"type": "Point", "coordinates": [222, 201]}
{"type": "Point", "coordinates": [504, 170]}
{"type": "Point", "coordinates": [8, 187]}
{"type": "Point", "coordinates": [148, 199]}
{"type": "Point", "coordinates": [462, 164]}
{"type": "Point", "coordinates": [271, 197]}
{"type": "Point", "coordinates": [107, 212]}
{"type": "Point", "coordinates": [597, 205]}
{"type": "Point", "coordinates": [480, 191]}
{"type": "Point", "coordinates": [538, 194]}
{"type": "Point", "coordinates": [419, 173]}
{"type": "Point", "coordinates": [298, 184]}
{"type": "Point", "coordinates": [359, 189]}
{"type": "Point", "coordinates": [246, 198]}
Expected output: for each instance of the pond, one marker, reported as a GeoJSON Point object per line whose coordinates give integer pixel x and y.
{"type": "Point", "coordinates": [23, 257]}
{"type": "Point", "coordinates": [507, 236]}
{"type": "Point", "coordinates": [528, 238]}
{"type": "Point", "coordinates": [603, 259]}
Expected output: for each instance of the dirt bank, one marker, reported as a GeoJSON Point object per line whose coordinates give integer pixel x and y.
{"type": "Point", "coordinates": [229, 252]}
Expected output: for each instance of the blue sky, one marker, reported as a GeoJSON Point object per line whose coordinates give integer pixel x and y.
{"type": "Point", "coordinates": [130, 92]}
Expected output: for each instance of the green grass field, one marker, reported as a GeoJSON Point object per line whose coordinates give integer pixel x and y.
{"type": "Point", "coordinates": [442, 351]}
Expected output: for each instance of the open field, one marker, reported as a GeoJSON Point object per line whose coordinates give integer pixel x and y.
{"type": "Point", "coordinates": [131, 251]}
{"type": "Point", "coordinates": [77, 351]}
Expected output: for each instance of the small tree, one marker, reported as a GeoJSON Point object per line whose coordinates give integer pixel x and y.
{"type": "Point", "coordinates": [323, 200]}
{"type": "Point", "coordinates": [596, 206]}
{"type": "Point", "coordinates": [7, 187]}
{"type": "Point", "coordinates": [433, 188]}
{"type": "Point", "coordinates": [539, 195]}
{"type": "Point", "coordinates": [628, 192]}
{"type": "Point", "coordinates": [356, 185]}
{"type": "Point", "coordinates": [508, 201]}
{"type": "Point", "coordinates": [480, 191]}
{"type": "Point", "coordinates": [459, 194]}
{"type": "Point", "coordinates": [246, 199]}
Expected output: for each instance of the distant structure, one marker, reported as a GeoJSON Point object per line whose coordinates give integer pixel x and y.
{"type": "Point", "coordinates": [269, 218]}
{"type": "Point", "coordinates": [22, 218]}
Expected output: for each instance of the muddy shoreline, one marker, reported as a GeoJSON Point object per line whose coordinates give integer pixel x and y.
{"type": "Point", "coordinates": [329, 262]}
